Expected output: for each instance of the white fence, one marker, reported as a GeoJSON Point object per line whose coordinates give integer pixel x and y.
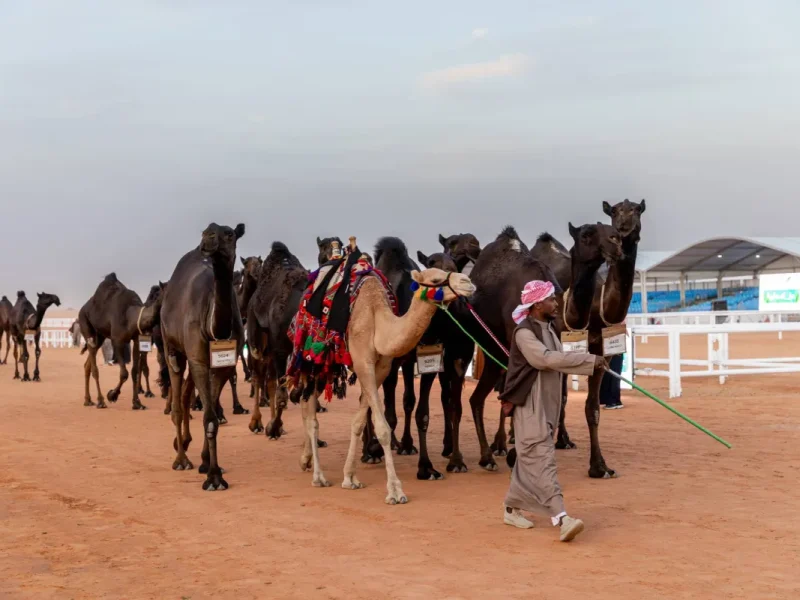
{"type": "Point", "coordinates": [55, 333]}
{"type": "Point", "coordinates": [718, 363]}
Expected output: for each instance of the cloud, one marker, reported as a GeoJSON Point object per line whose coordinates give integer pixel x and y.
{"type": "Point", "coordinates": [505, 66]}
{"type": "Point", "coordinates": [479, 33]}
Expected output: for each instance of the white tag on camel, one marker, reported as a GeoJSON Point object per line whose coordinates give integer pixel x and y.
{"type": "Point", "coordinates": [145, 343]}
{"type": "Point", "coordinates": [429, 359]}
{"type": "Point", "coordinates": [30, 335]}
{"type": "Point", "coordinates": [575, 341]}
{"type": "Point", "coordinates": [615, 340]}
{"type": "Point", "coordinates": [223, 354]}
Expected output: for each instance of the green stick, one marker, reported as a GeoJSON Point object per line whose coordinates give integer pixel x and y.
{"type": "Point", "coordinates": [668, 407]}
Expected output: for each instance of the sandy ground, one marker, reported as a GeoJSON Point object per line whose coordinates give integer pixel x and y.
{"type": "Point", "coordinates": [90, 508]}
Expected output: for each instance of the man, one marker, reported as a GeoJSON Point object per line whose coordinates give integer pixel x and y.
{"type": "Point", "coordinates": [533, 390]}
{"type": "Point", "coordinates": [609, 387]}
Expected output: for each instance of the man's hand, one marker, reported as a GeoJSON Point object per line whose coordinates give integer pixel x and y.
{"type": "Point", "coordinates": [600, 363]}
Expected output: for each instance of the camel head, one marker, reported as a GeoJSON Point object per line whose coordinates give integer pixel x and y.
{"type": "Point", "coordinates": [438, 260]}
{"type": "Point", "coordinates": [252, 267]}
{"type": "Point", "coordinates": [626, 216]}
{"type": "Point", "coordinates": [451, 285]}
{"type": "Point", "coordinates": [156, 296]}
{"type": "Point", "coordinates": [463, 247]}
{"type": "Point", "coordinates": [46, 300]}
{"type": "Point", "coordinates": [219, 244]}
{"type": "Point", "coordinates": [595, 244]}
{"type": "Point", "coordinates": [325, 247]}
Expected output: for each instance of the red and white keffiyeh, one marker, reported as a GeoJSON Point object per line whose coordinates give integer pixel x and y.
{"type": "Point", "coordinates": [534, 291]}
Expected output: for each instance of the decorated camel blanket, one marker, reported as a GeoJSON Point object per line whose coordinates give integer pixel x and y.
{"type": "Point", "coordinates": [320, 358]}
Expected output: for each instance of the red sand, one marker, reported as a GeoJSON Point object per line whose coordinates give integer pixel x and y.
{"type": "Point", "coordinates": [90, 508]}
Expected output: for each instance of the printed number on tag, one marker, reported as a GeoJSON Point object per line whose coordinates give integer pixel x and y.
{"type": "Point", "coordinates": [430, 359]}
{"type": "Point", "coordinates": [615, 340]}
{"type": "Point", "coordinates": [223, 354]}
{"type": "Point", "coordinates": [145, 343]}
{"type": "Point", "coordinates": [575, 341]}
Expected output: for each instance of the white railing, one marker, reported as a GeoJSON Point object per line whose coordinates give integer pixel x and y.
{"type": "Point", "coordinates": [712, 317]}
{"type": "Point", "coordinates": [718, 363]}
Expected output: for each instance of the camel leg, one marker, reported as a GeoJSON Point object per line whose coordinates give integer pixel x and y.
{"type": "Point", "coordinates": [597, 465]}
{"type": "Point", "coordinates": [135, 377]}
{"type": "Point", "coordinates": [25, 357]}
{"type": "Point", "coordinates": [562, 441]}
{"type": "Point", "coordinates": [446, 379]}
{"type": "Point", "coordinates": [245, 365]}
{"type": "Point", "coordinates": [499, 447]}
{"type": "Point", "coordinates": [257, 379]}
{"type": "Point", "coordinates": [389, 401]}
{"type": "Point", "coordinates": [350, 481]}
{"type": "Point", "coordinates": [278, 398]}
{"type": "Point", "coordinates": [37, 354]}
{"type": "Point", "coordinates": [2, 362]}
{"type": "Point", "coordinates": [144, 370]}
{"type": "Point", "coordinates": [113, 395]}
{"type": "Point", "coordinates": [209, 385]}
{"type": "Point", "coordinates": [177, 392]}
{"type": "Point", "coordinates": [372, 452]}
{"type": "Point", "coordinates": [409, 401]}
{"type": "Point", "coordinates": [425, 470]}
{"type": "Point", "coordinates": [477, 401]}
{"type": "Point", "coordinates": [16, 358]}
{"type": "Point", "coordinates": [87, 376]}
{"type": "Point", "coordinates": [8, 347]}
{"type": "Point", "coordinates": [238, 409]}
{"type": "Point", "coordinates": [309, 409]}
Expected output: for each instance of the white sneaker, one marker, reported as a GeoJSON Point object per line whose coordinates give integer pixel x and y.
{"type": "Point", "coordinates": [570, 528]}
{"type": "Point", "coordinates": [516, 518]}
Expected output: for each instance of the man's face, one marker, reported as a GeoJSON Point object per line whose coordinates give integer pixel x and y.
{"type": "Point", "coordinates": [547, 308]}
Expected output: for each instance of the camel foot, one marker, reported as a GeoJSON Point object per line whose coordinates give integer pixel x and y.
{"type": "Point", "coordinates": [112, 395]}
{"type": "Point", "coordinates": [274, 430]}
{"type": "Point", "coordinates": [36, 377]}
{"type": "Point", "coordinates": [149, 395]}
{"type": "Point", "coordinates": [353, 484]}
{"type": "Point", "coordinates": [183, 464]}
{"type": "Point", "coordinates": [214, 482]}
{"type": "Point", "coordinates": [306, 463]}
{"type": "Point", "coordinates": [395, 446]}
{"type": "Point", "coordinates": [262, 403]}
{"type": "Point", "coordinates": [396, 497]}
{"type": "Point", "coordinates": [407, 448]}
{"type": "Point", "coordinates": [488, 464]}
{"type": "Point", "coordinates": [320, 443]}
{"type": "Point", "coordinates": [138, 405]}
{"type": "Point", "coordinates": [321, 409]}
{"type": "Point", "coordinates": [88, 402]}
{"type": "Point", "coordinates": [457, 464]}
{"type": "Point", "coordinates": [601, 471]}
{"type": "Point", "coordinates": [320, 481]}
{"type": "Point", "coordinates": [256, 426]}
{"type": "Point", "coordinates": [371, 460]}
{"type": "Point", "coordinates": [447, 448]}
{"type": "Point", "coordinates": [198, 404]}
{"type": "Point", "coordinates": [499, 447]}
{"type": "Point", "coordinates": [101, 403]}
{"type": "Point", "coordinates": [222, 420]}
{"type": "Point", "coordinates": [511, 459]}
{"type": "Point", "coordinates": [568, 445]}
{"type": "Point", "coordinates": [426, 472]}
{"type": "Point", "coordinates": [168, 409]}
{"type": "Point", "coordinates": [26, 377]}
{"type": "Point", "coordinates": [16, 376]}
{"type": "Point", "coordinates": [238, 409]}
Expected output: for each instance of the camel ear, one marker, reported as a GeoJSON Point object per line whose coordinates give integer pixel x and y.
{"type": "Point", "coordinates": [443, 241]}
{"type": "Point", "coordinates": [319, 242]}
{"type": "Point", "coordinates": [244, 263]}
{"type": "Point", "coordinates": [416, 276]}
{"type": "Point", "coordinates": [161, 284]}
{"type": "Point", "coordinates": [574, 231]}
{"type": "Point", "coordinates": [607, 208]}
{"type": "Point", "coordinates": [239, 231]}
{"type": "Point", "coordinates": [422, 258]}
{"type": "Point", "coordinates": [641, 206]}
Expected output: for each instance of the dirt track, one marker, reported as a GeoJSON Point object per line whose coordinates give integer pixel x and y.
{"type": "Point", "coordinates": [89, 507]}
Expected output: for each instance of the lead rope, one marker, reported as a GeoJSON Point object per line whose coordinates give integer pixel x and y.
{"type": "Point", "coordinates": [602, 312]}
{"type": "Point", "coordinates": [139, 320]}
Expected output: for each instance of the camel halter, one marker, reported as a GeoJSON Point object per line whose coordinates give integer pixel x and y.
{"type": "Point", "coordinates": [435, 292]}
{"type": "Point", "coordinates": [564, 313]}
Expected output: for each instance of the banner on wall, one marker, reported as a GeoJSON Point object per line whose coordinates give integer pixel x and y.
{"type": "Point", "coordinates": [779, 291]}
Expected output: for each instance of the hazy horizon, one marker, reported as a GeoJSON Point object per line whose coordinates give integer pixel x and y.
{"type": "Point", "coordinates": [127, 128]}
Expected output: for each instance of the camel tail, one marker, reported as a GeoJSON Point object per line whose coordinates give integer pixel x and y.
{"type": "Point", "coordinates": [85, 348]}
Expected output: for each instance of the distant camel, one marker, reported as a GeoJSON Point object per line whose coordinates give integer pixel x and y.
{"type": "Point", "coordinates": [25, 320]}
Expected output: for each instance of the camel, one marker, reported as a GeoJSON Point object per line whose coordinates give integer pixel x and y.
{"type": "Point", "coordinates": [281, 285]}
{"type": "Point", "coordinates": [593, 247]}
{"type": "Point", "coordinates": [200, 316]}
{"type": "Point", "coordinates": [376, 336]}
{"type": "Point", "coordinates": [502, 270]}
{"type": "Point", "coordinates": [117, 313]}
{"type": "Point", "coordinates": [463, 248]}
{"type": "Point", "coordinates": [75, 332]}
{"type": "Point", "coordinates": [5, 326]}
{"type": "Point", "coordinates": [251, 268]}
{"type": "Point", "coordinates": [325, 248]}
{"type": "Point", "coordinates": [27, 320]}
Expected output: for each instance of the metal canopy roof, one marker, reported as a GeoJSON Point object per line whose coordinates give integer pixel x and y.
{"type": "Point", "coordinates": [725, 254]}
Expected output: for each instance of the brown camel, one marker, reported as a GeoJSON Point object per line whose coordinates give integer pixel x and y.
{"type": "Point", "coordinates": [26, 321]}
{"type": "Point", "coordinates": [593, 247]}
{"type": "Point", "coordinates": [375, 338]}
{"type": "Point", "coordinates": [200, 315]}
{"type": "Point", "coordinates": [245, 291]}
{"type": "Point", "coordinates": [5, 326]}
{"type": "Point", "coordinates": [463, 248]}
{"type": "Point", "coordinates": [117, 313]}
{"type": "Point", "coordinates": [281, 285]}
{"type": "Point", "coordinates": [325, 248]}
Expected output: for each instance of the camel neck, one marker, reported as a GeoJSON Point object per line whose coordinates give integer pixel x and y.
{"type": "Point", "coordinates": [397, 336]}
{"type": "Point", "coordinates": [619, 284]}
{"type": "Point", "coordinates": [220, 321]}
{"type": "Point", "coordinates": [39, 315]}
{"type": "Point", "coordinates": [249, 286]}
{"type": "Point", "coordinates": [582, 285]}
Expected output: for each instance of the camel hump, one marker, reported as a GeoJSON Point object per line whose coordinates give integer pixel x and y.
{"type": "Point", "coordinates": [20, 294]}
{"type": "Point", "coordinates": [111, 278]}
{"type": "Point", "coordinates": [510, 233]}
{"type": "Point", "coordinates": [280, 248]}
{"type": "Point", "coordinates": [392, 253]}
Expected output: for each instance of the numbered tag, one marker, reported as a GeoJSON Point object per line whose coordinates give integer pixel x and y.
{"type": "Point", "coordinates": [30, 335]}
{"type": "Point", "coordinates": [223, 354]}
{"type": "Point", "coordinates": [575, 341]}
{"type": "Point", "coordinates": [145, 343]}
{"type": "Point", "coordinates": [615, 340]}
{"type": "Point", "coordinates": [429, 359]}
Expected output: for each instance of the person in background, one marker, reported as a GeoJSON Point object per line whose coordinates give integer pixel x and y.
{"type": "Point", "coordinates": [532, 390]}
{"type": "Point", "coordinates": [609, 387]}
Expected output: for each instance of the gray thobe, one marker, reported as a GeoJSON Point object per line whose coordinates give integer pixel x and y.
{"type": "Point", "coordinates": [534, 480]}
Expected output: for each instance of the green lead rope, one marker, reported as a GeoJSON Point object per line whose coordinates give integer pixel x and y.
{"type": "Point", "coordinates": [630, 383]}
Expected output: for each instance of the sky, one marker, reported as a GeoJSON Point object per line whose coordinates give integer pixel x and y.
{"type": "Point", "coordinates": [127, 127]}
